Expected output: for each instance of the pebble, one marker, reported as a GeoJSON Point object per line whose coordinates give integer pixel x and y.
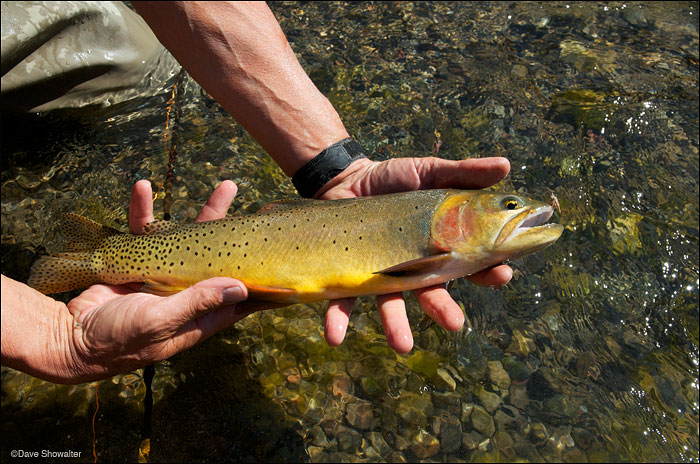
{"type": "Point", "coordinates": [518, 371]}
{"type": "Point", "coordinates": [466, 411]}
{"type": "Point", "coordinates": [503, 441]}
{"type": "Point", "coordinates": [507, 417]}
{"type": "Point", "coordinates": [482, 421]}
{"type": "Point", "coordinates": [538, 433]}
{"type": "Point", "coordinates": [359, 414]}
{"type": "Point", "coordinates": [471, 440]}
{"type": "Point", "coordinates": [518, 396]}
{"type": "Point", "coordinates": [498, 375]}
{"type": "Point", "coordinates": [317, 437]}
{"type": "Point", "coordinates": [425, 445]}
{"type": "Point", "coordinates": [444, 381]}
{"type": "Point", "coordinates": [317, 454]}
{"type": "Point", "coordinates": [413, 409]}
{"type": "Point", "coordinates": [379, 443]}
{"type": "Point", "coordinates": [521, 345]}
{"type": "Point", "coordinates": [449, 401]}
{"type": "Point", "coordinates": [560, 405]}
{"type": "Point", "coordinates": [349, 440]}
{"type": "Point", "coordinates": [582, 437]}
{"type": "Point", "coordinates": [450, 434]}
{"type": "Point", "coordinates": [342, 385]}
{"type": "Point", "coordinates": [489, 400]}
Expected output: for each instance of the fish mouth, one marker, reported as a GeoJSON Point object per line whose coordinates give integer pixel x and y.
{"type": "Point", "coordinates": [527, 230]}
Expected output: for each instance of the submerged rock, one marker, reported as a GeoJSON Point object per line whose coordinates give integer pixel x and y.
{"type": "Point", "coordinates": [379, 443]}
{"type": "Point", "coordinates": [359, 414]}
{"type": "Point", "coordinates": [425, 445]}
{"type": "Point", "coordinates": [498, 375]}
{"type": "Point", "coordinates": [414, 409]}
{"type": "Point", "coordinates": [482, 421]}
{"type": "Point", "coordinates": [444, 381]}
{"type": "Point", "coordinates": [489, 400]}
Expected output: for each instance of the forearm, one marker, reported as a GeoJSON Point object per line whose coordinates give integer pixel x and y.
{"type": "Point", "coordinates": [36, 333]}
{"type": "Point", "coordinates": [239, 54]}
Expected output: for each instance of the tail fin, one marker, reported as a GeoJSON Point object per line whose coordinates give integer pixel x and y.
{"type": "Point", "coordinates": [61, 272]}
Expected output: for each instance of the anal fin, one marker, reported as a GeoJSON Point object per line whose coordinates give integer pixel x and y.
{"type": "Point", "coordinates": [268, 293]}
{"type": "Point", "coordinates": [160, 288]}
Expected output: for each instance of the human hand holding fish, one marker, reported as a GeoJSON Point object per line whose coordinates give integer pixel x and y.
{"type": "Point", "coordinates": [365, 177]}
{"type": "Point", "coordinates": [110, 329]}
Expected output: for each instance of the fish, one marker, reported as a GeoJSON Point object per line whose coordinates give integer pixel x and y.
{"type": "Point", "coordinates": [302, 251]}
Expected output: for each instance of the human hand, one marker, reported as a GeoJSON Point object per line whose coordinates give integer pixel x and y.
{"type": "Point", "coordinates": [117, 328]}
{"type": "Point", "coordinates": [364, 178]}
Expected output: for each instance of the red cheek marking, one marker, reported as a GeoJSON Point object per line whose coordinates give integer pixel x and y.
{"type": "Point", "coordinates": [446, 229]}
{"type": "Point", "coordinates": [468, 221]}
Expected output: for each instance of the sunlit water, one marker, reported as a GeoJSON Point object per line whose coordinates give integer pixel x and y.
{"type": "Point", "coordinates": [590, 353]}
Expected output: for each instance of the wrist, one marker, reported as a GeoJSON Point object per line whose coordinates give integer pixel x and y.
{"type": "Point", "coordinates": [37, 334]}
{"type": "Point", "coordinates": [342, 185]}
{"type": "Point", "coordinates": [311, 178]}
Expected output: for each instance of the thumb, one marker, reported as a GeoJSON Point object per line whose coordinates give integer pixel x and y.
{"type": "Point", "coordinates": [203, 297]}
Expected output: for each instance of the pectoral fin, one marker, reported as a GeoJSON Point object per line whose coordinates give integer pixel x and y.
{"type": "Point", "coordinates": [416, 266]}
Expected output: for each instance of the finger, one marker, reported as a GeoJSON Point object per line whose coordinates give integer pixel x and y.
{"type": "Point", "coordinates": [202, 298]}
{"type": "Point", "coordinates": [140, 206]}
{"type": "Point", "coordinates": [206, 308]}
{"type": "Point", "coordinates": [392, 311]}
{"type": "Point", "coordinates": [219, 202]}
{"type": "Point", "coordinates": [440, 307]}
{"type": "Point", "coordinates": [468, 174]}
{"type": "Point", "coordinates": [337, 318]}
{"type": "Point", "coordinates": [212, 322]}
{"type": "Point", "coordinates": [496, 277]}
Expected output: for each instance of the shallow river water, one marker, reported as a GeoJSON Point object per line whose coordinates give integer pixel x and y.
{"type": "Point", "coordinates": [589, 354]}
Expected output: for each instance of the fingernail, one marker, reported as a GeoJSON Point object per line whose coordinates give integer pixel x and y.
{"type": "Point", "coordinates": [233, 295]}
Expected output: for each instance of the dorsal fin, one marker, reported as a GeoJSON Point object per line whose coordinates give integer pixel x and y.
{"type": "Point", "coordinates": [159, 226]}
{"type": "Point", "coordinates": [416, 266]}
{"type": "Point", "coordinates": [82, 234]}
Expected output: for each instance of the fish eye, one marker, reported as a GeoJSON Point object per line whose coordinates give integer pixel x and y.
{"type": "Point", "coordinates": [511, 203]}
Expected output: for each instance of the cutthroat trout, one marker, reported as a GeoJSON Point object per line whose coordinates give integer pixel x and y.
{"type": "Point", "coordinates": [310, 250]}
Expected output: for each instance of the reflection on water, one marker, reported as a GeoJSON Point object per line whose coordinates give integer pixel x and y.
{"type": "Point", "coordinates": [591, 353]}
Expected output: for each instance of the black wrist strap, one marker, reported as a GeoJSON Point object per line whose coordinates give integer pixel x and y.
{"type": "Point", "coordinates": [326, 165]}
